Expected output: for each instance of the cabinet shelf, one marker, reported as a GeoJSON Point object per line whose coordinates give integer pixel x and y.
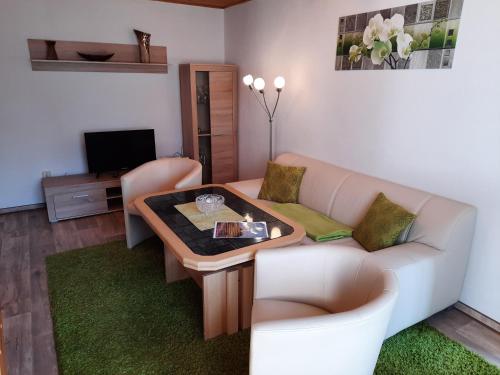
{"type": "Point", "coordinates": [114, 193]}
{"type": "Point", "coordinates": [114, 196]}
{"type": "Point", "coordinates": [115, 204]}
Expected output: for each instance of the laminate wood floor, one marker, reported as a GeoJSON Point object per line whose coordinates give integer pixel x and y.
{"type": "Point", "coordinates": [26, 238]}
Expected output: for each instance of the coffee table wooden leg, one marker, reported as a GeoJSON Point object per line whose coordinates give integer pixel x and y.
{"type": "Point", "coordinates": [214, 304]}
{"type": "Point", "coordinates": [232, 309]}
{"type": "Point", "coordinates": [246, 296]}
{"type": "Point", "coordinates": [174, 271]}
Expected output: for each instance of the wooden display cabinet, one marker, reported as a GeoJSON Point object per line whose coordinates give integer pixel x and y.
{"type": "Point", "coordinates": [209, 119]}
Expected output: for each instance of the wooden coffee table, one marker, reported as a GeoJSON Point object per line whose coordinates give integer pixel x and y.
{"type": "Point", "coordinates": [223, 268]}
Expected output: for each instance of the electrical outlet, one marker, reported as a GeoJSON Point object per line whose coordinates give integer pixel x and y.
{"type": "Point", "coordinates": [46, 174]}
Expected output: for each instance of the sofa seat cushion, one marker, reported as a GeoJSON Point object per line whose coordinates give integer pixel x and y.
{"type": "Point", "coordinates": [265, 310]}
{"type": "Point", "coordinates": [265, 202]}
{"type": "Point", "coordinates": [349, 241]}
{"type": "Point", "coordinates": [132, 209]}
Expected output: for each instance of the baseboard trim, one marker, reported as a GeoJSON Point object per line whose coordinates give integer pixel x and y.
{"type": "Point", "coordinates": [28, 207]}
{"type": "Point", "coordinates": [491, 323]}
{"type": "Point", "coordinates": [3, 360]}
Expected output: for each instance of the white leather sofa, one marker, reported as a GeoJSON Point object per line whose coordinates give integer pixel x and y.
{"type": "Point", "coordinates": [431, 260]}
{"type": "Point", "coordinates": [318, 311]}
{"type": "Point", "coordinates": [157, 175]}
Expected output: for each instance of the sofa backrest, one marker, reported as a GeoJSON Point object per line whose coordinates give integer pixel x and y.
{"type": "Point", "coordinates": [321, 181]}
{"type": "Point", "coordinates": [345, 196]}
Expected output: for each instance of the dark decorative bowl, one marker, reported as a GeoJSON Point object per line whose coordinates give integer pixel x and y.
{"type": "Point", "coordinates": [96, 57]}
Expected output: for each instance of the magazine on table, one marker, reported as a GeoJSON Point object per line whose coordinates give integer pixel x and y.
{"type": "Point", "coordinates": [240, 229]}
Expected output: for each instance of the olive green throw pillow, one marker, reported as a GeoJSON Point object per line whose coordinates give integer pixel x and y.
{"type": "Point", "coordinates": [281, 183]}
{"type": "Point", "coordinates": [382, 224]}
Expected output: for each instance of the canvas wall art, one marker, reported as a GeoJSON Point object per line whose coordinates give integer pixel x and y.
{"type": "Point", "coordinates": [416, 36]}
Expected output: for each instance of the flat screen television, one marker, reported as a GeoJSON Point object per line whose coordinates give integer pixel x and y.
{"type": "Point", "coordinates": [116, 151]}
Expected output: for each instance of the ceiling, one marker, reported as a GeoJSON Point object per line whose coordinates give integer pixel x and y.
{"type": "Point", "coordinates": [207, 3]}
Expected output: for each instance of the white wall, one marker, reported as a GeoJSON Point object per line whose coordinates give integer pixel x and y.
{"type": "Point", "coordinates": [435, 130]}
{"type": "Point", "coordinates": [43, 114]}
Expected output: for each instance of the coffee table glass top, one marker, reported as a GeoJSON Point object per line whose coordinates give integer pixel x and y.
{"type": "Point", "coordinates": [201, 242]}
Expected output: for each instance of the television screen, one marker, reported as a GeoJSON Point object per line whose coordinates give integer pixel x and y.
{"type": "Point", "coordinates": [119, 150]}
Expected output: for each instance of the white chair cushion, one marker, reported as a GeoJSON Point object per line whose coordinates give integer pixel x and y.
{"type": "Point", "coordinates": [269, 310]}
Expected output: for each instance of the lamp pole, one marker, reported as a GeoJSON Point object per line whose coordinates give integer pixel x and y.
{"type": "Point", "coordinates": [271, 139]}
{"type": "Point", "coordinates": [258, 85]}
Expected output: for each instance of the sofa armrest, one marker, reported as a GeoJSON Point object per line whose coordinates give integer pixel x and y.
{"type": "Point", "coordinates": [248, 187]}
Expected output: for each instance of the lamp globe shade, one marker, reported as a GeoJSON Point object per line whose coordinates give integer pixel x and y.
{"type": "Point", "coordinates": [279, 83]}
{"type": "Point", "coordinates": [259, 84]}
{"type": "Point", "coordinates": [248, 80]}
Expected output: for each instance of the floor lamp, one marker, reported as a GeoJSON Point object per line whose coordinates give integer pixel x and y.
{"type": "Point", "coordinates": [258, 85]}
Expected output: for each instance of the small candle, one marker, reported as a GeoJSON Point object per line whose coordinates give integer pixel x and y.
{"type": "Point", "coordinates": [275, 233]}
{"type": "Point", "coordinates": [248, 218]}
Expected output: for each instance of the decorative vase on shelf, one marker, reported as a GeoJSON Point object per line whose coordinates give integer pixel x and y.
{"type": "Point", "coordinates": [144, 40]}
{"type": "Point", "coordinates": [51, 50]}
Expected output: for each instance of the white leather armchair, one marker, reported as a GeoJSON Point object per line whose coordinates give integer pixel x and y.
{"type": "Point", "coordinates": [154, 176]}
{"type": "Point", "coordinates": [319, 310]}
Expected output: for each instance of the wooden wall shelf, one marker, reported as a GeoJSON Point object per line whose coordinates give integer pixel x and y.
{"type": "Point", "coordinates": [125, 60]}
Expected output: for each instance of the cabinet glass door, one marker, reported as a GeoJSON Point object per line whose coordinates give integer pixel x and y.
{"type": "Point", "coordinates": [204, 130]}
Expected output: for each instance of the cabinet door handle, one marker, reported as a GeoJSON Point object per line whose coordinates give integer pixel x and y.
{"type": "Point", "coordinates": [80, 196]}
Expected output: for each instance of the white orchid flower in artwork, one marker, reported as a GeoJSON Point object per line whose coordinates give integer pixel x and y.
{"type": "Point", "coordinates": [381, 51]}
{"type": "Point", "coordinates": [369, 37]}
{"type": "Point", "coordinates": [394, 26]}
{"type": "Point", "coordinates": [404, 45]}
{"type": "Point", "coordinates": [355, 53]}
{"type": "Point", "coordinates": [375, 30]}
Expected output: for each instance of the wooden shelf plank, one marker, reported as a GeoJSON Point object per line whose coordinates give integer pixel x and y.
{"type": "Point", "coordinates": [125, 59]}
{"type": "Point", "coordinates": [95, 66]}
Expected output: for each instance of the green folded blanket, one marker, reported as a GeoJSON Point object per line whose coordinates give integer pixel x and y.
{"type": "Point", "coordinates": [318, 226]}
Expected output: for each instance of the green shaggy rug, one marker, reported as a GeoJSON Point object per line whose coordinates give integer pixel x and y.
{"type": "Point", "coordinates": [113, 314]}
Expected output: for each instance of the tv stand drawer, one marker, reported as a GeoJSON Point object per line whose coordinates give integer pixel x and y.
{"type": "Point", "coordinates": [80, 203]}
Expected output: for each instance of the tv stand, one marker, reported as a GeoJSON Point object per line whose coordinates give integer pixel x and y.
{"type": "Point", "coordinates": [73, 196]}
